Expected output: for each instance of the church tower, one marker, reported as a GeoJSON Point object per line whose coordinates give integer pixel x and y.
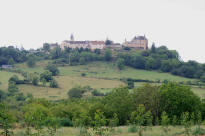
{"type": "Point", "coordinates": [71, 37]}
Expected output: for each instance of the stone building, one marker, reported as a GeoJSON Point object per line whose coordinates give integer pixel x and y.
{"type": "Point", "coordinates": [140, 42]}
{"type": "Point", "coordinates": [82, 44]}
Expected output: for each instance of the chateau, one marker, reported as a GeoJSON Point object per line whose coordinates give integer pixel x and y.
{"type": "Point", "coordinates": [82, 44]}
{"type": "Point", "coordinates": [140, 42]}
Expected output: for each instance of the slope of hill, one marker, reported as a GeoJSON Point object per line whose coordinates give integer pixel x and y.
{"type": "Point", "coordinates": [102, 76]}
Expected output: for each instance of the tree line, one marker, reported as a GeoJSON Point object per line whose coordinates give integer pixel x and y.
{"type": "Point", "coordinates": [166, 104]}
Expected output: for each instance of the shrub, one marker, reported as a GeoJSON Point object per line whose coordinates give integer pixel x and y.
{"type": "Point", "coordinates": [31, 62]}
{"type": "Point", "coordinates": [76, 92]}
{"type": "Point", "coordinates": [53, 69]}
{"type": "Point", "coordinates": [35, 80]}
{"type": "Point", "coordinates": [83, 74]}
{"type": "Point", "coordinates": [53, 83]}
{"type": "Point", "coordinates": [47, 75]}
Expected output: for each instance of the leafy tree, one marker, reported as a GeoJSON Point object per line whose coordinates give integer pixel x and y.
{"type": "Point", "coordinates": [177, 99]}
{"type": "Point", "coordinates": [108, 55]}
{"type": "Point", "coordinates": [187, 123]}
{"type": "Point", "coordinates": [120, 63]}
{"type": "Point", "coordinates": [140, 118]}
{"type": "Point", "coordinates": [53, 69]}
{"type": "Point", "coordinates": [14, 79]}
{"type": "Point", "coordinates": [35, 115]}
{"type": "Point", "coordinates": [52, 123]}
{"type": "Point", "coordinates": [108, 42]}
{"type": "Point", "coordinates": [3, 96]}
{"type": "Point", "coordinates": [166, 66]}
{"type": "Point", "coordinates": [153, 48]}
{"type": "Point", "coordinates": [35, 80]}
{"type": "Point", "coordinates": [12, 88]}
{"type": "Point", "coordinates": [46, 47]}
{"type": "Point", "coordinates": [116, 102]}
{"type": "Point", "coordinates": [6, 120]}
{"type": "Point", "coordinates": [150, 97]}
{"type": "Point", "coordinates": [82, 60]}
{"type": "Point", "coordinates": [74, 58]}
{"type": "Point", "coordinates": [11, 61]}
{"type": "Point", "coordinates": [202, 78]}
{"type": "Point", "coordinates": [31, 62]}
{"type": "Point", "coordinates": [56, 53]}
{"type": "Point", "coordinates": [165, 121]}
{"type": "Point", "coordinates": [47, 76]}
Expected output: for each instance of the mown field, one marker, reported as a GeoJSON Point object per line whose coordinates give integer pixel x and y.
{"type": "Point", "coordinates": [103, 76]}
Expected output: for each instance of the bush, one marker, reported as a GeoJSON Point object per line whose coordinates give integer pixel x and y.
{"type": "Point", "coordinates": [47, 75]}
{"type": "Point", "coordinates": [53, 83]}
{"type": "Point", "coordinates": [76, 92]}
{"type": "Point", "coordinates": [35, 80]}
{"type": "Point", "coordinates": [31, 62]}
{"type": "Point", "coordinates": [83, 74]}
{"type": "Point", "coordinates": [97, 93]}
{"type": "Point", "coordinates": [53, 69]}
{"type": "Point", "coordinates": [14, 79]}
{"type": "Point", "coordinates": [130, 84]}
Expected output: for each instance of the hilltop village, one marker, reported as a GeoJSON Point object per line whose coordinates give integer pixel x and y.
{"type": "Point", "coordinates": [138, 42]}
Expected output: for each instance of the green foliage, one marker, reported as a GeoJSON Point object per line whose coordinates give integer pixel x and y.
{"type": "Point", "coordinates": [35, 115]}
{"type": "Point", "coordinates": [47, 76]}
{"type": "Point", "coordinates": [120, 63]}
{"type": "Point", "coordinates": [56, 53]}
{"type": "Point", "coordinates": [14, 79]}
{"type": "Point", "coordinates": [165, 122]}
{"type": "Point", "coordinates": [130, 84]}
{"type": "Point", "coordinates": [108, 55]}
{"type": "Point", "coordinates": [35, 80]}
{"type": "Point", "coordinates": [46, 47]}
{"type": "Point", "coordinates": [31, 62]}
{"type": "Point", "coordinates": [176, 99]}
{"type": "Point", "coordinates": [6, 120]}
{"type": "Point", "coordinates": [11, 61]}
{"type": "Point", "coordinates": [141, 118]}
{"type": "Point", "coordinates": [12, 89]}
{"type": "Point", "coordinates": [187, 122]}
{"type": "Point", "coordinates": [76, 92]}
{"type": "Point", "coordinates": [53, 83]}
{"type": "Point", "coordinates": [53, 69]}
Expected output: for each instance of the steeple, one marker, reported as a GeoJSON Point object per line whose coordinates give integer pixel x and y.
{"type": "Point", "coordinates": [71, 37]}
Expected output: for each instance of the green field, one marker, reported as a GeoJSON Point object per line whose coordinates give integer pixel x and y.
{"type": "Point", "coordinates": [99, 75]}
{"type": "Point", "coordinates": [109, 70]}
{"type": "Point", "coordinates": [66, 83]}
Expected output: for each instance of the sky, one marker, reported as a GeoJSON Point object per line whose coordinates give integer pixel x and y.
{"type": "Point", "coordinates": [178, 24]}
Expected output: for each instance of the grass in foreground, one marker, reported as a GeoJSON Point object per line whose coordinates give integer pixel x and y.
{"type": "Point", "coordinates": [123, 131]}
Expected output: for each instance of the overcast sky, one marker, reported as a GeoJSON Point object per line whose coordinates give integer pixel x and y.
{"type": "Point", "coordinates": [178, 24]}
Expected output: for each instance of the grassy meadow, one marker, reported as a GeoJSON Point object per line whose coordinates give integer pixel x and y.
{"type": "Point", "coordinates": [103, 76]}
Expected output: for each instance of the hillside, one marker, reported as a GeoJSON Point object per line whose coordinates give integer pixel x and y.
{"type": "Point", "coordinates": [102, 76]}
